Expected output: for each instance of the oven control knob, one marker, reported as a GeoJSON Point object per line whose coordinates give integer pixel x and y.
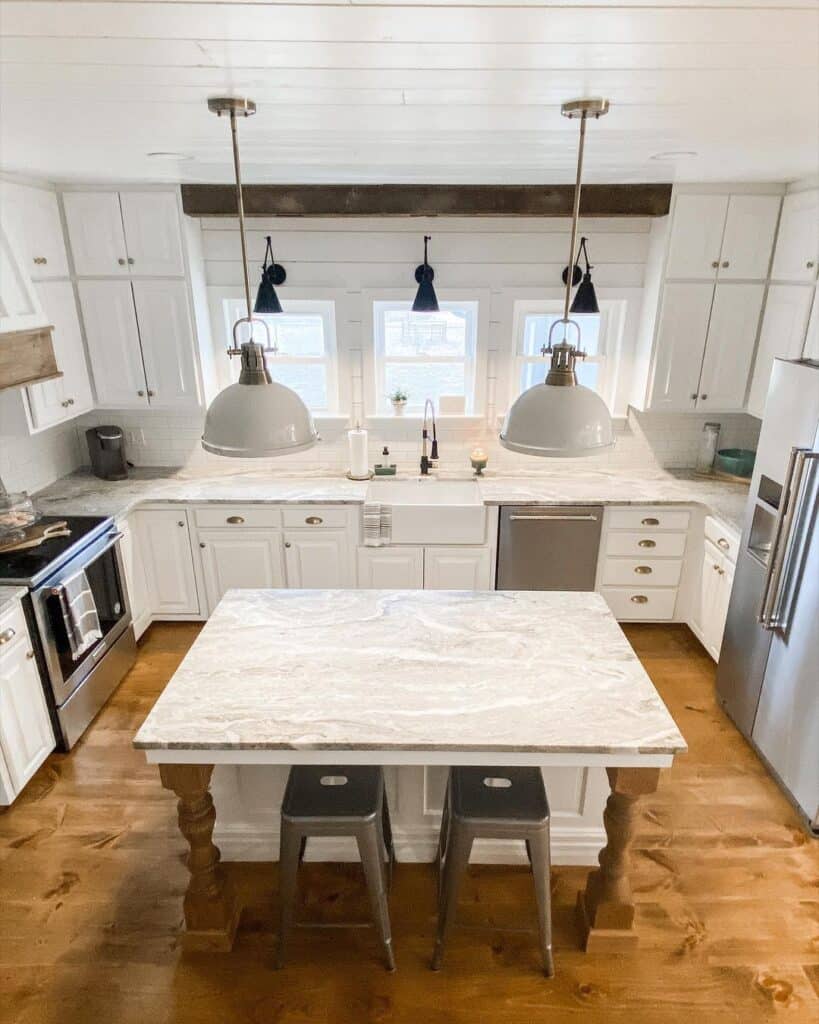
{"type": "Point", "coordinates": [117, 608]}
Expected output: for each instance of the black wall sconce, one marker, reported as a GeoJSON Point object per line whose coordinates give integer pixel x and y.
{"type": "Point", "coordinates": [273, 274]}
{"type": "Point", "coordinates": [426, 301]}
{"type": "Point", "coordinates": [585, 299]}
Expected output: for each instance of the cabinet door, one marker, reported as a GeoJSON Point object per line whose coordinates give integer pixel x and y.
{"type": "Point", "coordinates": [317, 559]}
{"type": "Point", "coordinates": [811, 346]}
{"type": "Point", "coordinates": [681, 335]}
{"type": "Point", "coordinates": [134, 577]}
{"type": "Point", "coordinates": [749, 235]}
{"type": "Point", "coordinates": [19, 306]}
{"type": "Point", "coordinates": [152, 233]}
{"type": "Point", "coordinates": [729, 351]}
{"type": "Point", "coordinates": [113, 343]}
{"type": "Point", "coordinates": [166, 336]}
{"type": "Point", "coordinates": [457, 568]}
{"type": "Point", "coordinates": [95, 233]}
{"type": "Point", "coordinates": [709, 601]}
{"type": "Point", "coordinates": [696, 236]}
{"type": "Point", "coordinates": [70, 395]}
{"type": "Point", "coordinates": [26, 736]}
{"type": "Point", "coordinates": [33, 216]}
{"type": "Point", "coordinates": [164, 543]}
{"type": "Point", "coordinates": [391, 568]}
{"type": "Point", "coordinates": [239, 560]}
{"type": "Point", "coordinates": [784, 324]}
{"type": "Point", "coordinates": [725, 583]}
{"type": "Point", "coordinates": [797, 245]}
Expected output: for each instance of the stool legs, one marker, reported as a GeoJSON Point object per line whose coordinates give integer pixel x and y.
{"type": "Point", "coordinates": [459, 845]}
{"type": "Point", "coordinates": [291, 849]}
{"type": "Point", "coordinates": [538, 846]}
{"type": "Point", "coordinates": [371, 850]}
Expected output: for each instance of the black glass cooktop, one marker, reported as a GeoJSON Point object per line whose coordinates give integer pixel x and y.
{"type": "Point", "coordinates": [30, 566]}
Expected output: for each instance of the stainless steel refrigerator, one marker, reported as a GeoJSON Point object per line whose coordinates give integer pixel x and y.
{"type": "Point", "coordinates": [768, 673]}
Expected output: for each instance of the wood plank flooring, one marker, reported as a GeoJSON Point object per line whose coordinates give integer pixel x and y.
{"type": "Point", "coordinates": [92, 875]}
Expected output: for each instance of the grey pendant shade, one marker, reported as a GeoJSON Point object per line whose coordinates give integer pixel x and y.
{"type": "Point", "coordinates": [426, 301]}
{"type": "Point", "coordinates": [561, 418]}
{"type": "Point", "coordinates": [256, 417]}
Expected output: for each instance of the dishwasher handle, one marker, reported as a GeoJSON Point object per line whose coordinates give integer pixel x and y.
{"type": "Point", "coordinates": [559, 518]}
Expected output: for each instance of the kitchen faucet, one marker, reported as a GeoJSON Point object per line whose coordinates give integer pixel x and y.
{"type": "Point", "coordinates": [427, 460]}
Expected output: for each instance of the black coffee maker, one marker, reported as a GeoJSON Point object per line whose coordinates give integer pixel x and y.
{"type": "Point", "coordinates": [106, 446]}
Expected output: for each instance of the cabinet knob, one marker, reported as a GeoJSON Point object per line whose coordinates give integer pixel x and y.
{"type": "Point", "coordinates": [715, 264]}
{"type": "Point", "coordinates": [70, 401]}
{"type": "Point", "coordinates": [40, 261]}
{"type": "Point", "coordinates": [29, 655]}
{"type": "Point", "coordinates": [121, 261]}
{"type": "Point", "coordinates": [314, 520]}
{"type": "Point", "coordinates": [141, 394]}
{"type": "Point", "coordinates": [287, 544]}
{"type": "Point", "coordinates": [64, 404]}
{"type": "Point", "coordinates": [201, 543]}
{"type": "Point", "coordinates": [715, 567]}
{"type": "Point", "coordinates": [694, 397]}
{"type": "Point", "coordinates": [643, 570]}
{"type": "Point", "coordinates": [646, 543]}
{"type": "Point", "coordinates": [7, 635]}
{"type": "Point", "coordinates": [639, 599]}
{"type": "Point", "coordinates": [234, 520]}
{"type": "Point", "coordinates": [704, 397]}
{"type": "Point", "coordinates": [721, 571]}
{"type": "Point", "coordinates": [810, 264]}
{"type": "Point", "coordinates": [726, 263]}
{"type": "Point", "coordinates": [181, 522]}
{"type": "Point", "coordinates": [131, 260]}
{"type": "Point", "coordinates": [723, 543]}
{"type": "Point", "coordinates": [151, 393]}
{"type": "Point", "coordinates": [650, 521]}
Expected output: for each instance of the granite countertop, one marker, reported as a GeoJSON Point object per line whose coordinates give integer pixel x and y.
{"type": "Point", "coordinates": [81, 493]}
{"type": "Point", "coordinates": [412, 671]}
{"type": "Point", "coordinates": [10, 596]}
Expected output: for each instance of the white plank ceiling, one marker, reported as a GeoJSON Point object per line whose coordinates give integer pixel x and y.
{"type": "Point", "coordinates": [417, 91]}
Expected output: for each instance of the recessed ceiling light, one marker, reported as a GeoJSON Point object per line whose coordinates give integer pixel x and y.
{"type": "Point", "coordinates": [674, 154]}
{"type": "Point", "coordinates": [161, 154]}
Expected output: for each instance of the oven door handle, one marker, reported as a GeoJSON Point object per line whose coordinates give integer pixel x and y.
{"type": "Point", "coordinates": [113, 538]}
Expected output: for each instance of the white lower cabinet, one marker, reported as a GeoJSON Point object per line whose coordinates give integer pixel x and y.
{"type": "Point", "coordinates": [715, 594]}
{"type": "Point", "coordinates": [239, 559]}
{"type": "Point", "coordinates": [135, 579]}
{"type": "Point", "coordinates": [318, 559]}
{"type": "Point", "coordinates": [26, 735]}
{"type": "Point", "coordinates": [391, 568]}
{"type": "Point", "coordinates": [457, 568]}
{"type": "Point", "coordinates": [165, 546]}
{"type": "Point", "coordinates": [430, 568]}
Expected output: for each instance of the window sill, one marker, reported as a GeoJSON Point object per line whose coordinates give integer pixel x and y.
{"type": "Point", "coordinates": [417, 419]}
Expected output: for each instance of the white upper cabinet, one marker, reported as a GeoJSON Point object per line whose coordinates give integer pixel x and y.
{"type": "Point", "coordinates": [166, 334]}
{"type": "Point", "coordinates": [113, 343]}
{"type": "Point", "coordinates": [33, 217]}
{"type": "Point", "coordinates": [152, 234]}
{"type": "Point", "coordinates": [729, 350]}
{"type": "Point", "coordinates": [797, 245]}
{"type": "Point", "coordinates": [811, 347]}
{"type": "Point", "coordinates": [682, 333]}
{"type": "Point", "coordinates": [784, 324]}
{"type": "Point", "coordinates": [696, 236]}
{"type": "Point", "coordinates": [20, 307]}
{"type": "Point", "coordinates": [55, 401]}
{"type": "Point", "coordinates": [748, 239]}
{"type": "Point", "coordinates": [96, 234]}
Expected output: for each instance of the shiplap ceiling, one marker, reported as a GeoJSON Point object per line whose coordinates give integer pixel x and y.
{"type": "Point", "coordinates": [411, 92]}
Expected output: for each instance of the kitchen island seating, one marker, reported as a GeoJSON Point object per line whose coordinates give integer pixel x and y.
{"type": "Point", "coordinates": [493, 803]}
{"type": "Point", "coordinates": [336, 800]}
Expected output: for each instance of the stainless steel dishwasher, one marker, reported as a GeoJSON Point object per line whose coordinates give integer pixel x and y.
{"type": "Point", "coordinates": [548, 548]}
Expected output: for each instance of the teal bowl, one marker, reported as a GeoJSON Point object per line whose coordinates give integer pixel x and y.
{"type": "Point", "coordinates": [736, 461]}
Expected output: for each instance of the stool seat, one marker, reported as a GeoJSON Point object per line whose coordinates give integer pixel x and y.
{"type": "Point", "coordinates": [498, 796]}
{"type": "Point", "coordinates": [321, 791]}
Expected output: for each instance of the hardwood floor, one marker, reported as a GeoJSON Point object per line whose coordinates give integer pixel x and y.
{"type": "Point", "coordinates": [91, 881]}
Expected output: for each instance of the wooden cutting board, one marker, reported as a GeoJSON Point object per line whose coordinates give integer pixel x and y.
{"type": "Point", "coordinates": [36, 535]}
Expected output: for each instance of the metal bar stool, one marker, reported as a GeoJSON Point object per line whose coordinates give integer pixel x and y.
{"type": "Point", "coordinates": [493, 803]}
{"type": "Point", "coordinates": [325, 800]}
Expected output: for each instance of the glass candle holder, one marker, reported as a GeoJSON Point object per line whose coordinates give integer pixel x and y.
{"type": "Point", "coordinates": [479, 459]}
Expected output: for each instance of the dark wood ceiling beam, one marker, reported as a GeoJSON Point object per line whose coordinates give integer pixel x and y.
{"type": "Point", "coordinates": [648, 200]}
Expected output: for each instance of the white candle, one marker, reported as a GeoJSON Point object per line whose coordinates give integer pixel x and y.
{"type": "Point", "coordinates": [357, 439]}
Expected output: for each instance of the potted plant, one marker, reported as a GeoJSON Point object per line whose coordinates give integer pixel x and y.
{"type": "Point", "coordinates": [399, 401]}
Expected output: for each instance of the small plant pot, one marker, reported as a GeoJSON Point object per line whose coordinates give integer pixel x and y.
{"type": "Point", "coordinates": [398, 407]}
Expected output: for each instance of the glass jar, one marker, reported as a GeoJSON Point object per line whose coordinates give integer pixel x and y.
{"type": "Point", "coordinates": [708, 448]}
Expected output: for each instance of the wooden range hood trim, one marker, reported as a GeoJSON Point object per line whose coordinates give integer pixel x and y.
{"type": "Point", "coordinates": [640, 200]}
{"type": "Point", "coordinates": [27, 357]}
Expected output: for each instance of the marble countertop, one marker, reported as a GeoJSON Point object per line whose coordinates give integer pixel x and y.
{"type": "Point", "coordinates": [81, 493]}
{"type": "Point", "coordinates": [10, 596]}
{"type": "Point", "coordinates": [484, 672]}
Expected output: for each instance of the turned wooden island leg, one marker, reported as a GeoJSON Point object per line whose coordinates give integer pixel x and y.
{"type": "Point", "coordinates": [605, 909]}
{"type": "Point", "coordinates": [211, 910]}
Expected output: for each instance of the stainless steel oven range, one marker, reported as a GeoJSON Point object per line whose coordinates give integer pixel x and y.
{"type": "Point", "coordinates": [76, 685]}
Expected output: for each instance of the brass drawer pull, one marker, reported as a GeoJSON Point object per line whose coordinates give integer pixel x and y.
{"type": "Point", "coordinates": [235, 520]}
{"type": "Point", "coordinates": [723, 543]}
{"type": "Point", "coordinates": [650, 521]}
{"type": "Point", "coordinates": [639, 599]}
{"type": "Point", "coordinates": [643, 570]}
{"type": "Point", "coordinates": [7, 635]}
{"type": "Point", "coordinates": [646, 543]}
{"type": "Point", "coordinates": [314, 520]}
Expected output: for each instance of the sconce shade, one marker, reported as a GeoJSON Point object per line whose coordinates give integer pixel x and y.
{"type": "Point", "coordinates": [267, 301]}
{"type": "Point", "coordinates": [426, 301]}
{"type": "Point", "coordinates": [585, 299]}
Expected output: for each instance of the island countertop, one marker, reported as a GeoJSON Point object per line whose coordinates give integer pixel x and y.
{"type": "Point", "coordinates": [411, 677]}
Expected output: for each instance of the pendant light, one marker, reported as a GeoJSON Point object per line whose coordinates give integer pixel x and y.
{"type": "Point", "coordinates": [585, 298]}
{"type": "Point", "coordinates": [267, 301]}
{"type": "Point", "coordinates": [426, 301]}
{"type": "Point", "coordinates": [561, 418]}
{"type": "Point", "coordinates": [257, 417]}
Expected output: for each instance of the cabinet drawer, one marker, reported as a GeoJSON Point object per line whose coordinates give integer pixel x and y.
{"type": "Point", "coordinates": [636, 603]}
{"type": "Point", "coordinates": [238, 515]}
{"type": "Point", "coordinates": [646, 572]}
{"type": "Point", "coordinates": [646, 544]}
{"type": "Point", "coordinates": [12, 628]}
{"type": "Point", "coordinates": [315, 516]}
{"type": "Point", "coordinates": [652, 517]}
{"type": "Point", "coordinates": [724, 539]}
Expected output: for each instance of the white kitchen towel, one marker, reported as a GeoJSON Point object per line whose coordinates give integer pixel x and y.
{"type": "Point", "coordinates": [82, 623]}
{"type": "Point", "coordinates": [377, 519]}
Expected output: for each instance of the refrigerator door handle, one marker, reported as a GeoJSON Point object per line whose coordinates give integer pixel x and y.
{"type": "Point", "coordinates": [789, 568]}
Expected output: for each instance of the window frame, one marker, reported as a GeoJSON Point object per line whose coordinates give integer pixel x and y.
{"type": "Point", "coordinates": [375, 403]}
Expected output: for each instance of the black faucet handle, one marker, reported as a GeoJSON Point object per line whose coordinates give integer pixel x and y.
{"type": "Point", "coordinates": [434, 452]}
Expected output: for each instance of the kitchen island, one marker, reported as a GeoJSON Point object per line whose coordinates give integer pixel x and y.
{"type": "Point", "coordinates": [410, 678]}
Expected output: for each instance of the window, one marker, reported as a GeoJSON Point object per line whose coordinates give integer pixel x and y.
{"type": "Point", "coordinates": [305, 336]}
{"type": "Point", "coordinates": [599, 339]}
{"type": "Point", "coordinates": [425, 354]}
